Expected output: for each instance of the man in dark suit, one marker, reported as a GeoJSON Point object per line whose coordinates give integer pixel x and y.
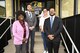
{"type": "Point", "coordinates": [31, 20]}
{"type": "Point", "coordinates": [53, 27]}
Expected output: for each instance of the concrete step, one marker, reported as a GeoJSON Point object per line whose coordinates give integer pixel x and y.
{"type": "Point", "coordinates": [38, 37]}
{"type": "Point", "coordinates": [38, 47]}
{"type": "Point", "coordinates": [37, 33]}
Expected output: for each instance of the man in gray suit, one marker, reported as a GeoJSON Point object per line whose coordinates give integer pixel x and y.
{"type": "Point", "coordinates": [31, 20]}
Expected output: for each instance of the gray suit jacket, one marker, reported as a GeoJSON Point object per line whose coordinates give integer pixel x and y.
{"type": "Point", "coordinates": [31, 21]}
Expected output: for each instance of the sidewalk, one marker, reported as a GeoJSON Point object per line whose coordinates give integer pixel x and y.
{"type": "Point", "coordinates": [38, 45]}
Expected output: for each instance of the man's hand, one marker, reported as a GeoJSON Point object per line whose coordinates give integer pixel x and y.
{"type": "Point", "coordinates": [31, 28]}
{"type": "Point", "coordinates": [51, 37]}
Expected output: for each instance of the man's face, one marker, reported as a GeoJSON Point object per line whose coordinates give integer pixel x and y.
{"type": "Point", "coordinates": [29, 8]}
{"type": "Point", "coordinates": [52, 12]}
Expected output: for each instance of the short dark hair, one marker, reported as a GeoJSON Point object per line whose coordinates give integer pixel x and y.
{"type": "Point", "coordinates": [18, 13]}
{"type": "Point", "coordinates": [28, 4]}
{"type": "Point", "coordinates": [51, 8]}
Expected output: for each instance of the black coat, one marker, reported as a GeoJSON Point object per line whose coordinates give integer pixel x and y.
{"type": "Point", "coordinates": [55, 30]}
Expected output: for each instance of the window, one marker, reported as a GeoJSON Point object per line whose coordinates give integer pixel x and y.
{"type": "Point", "coordinates": [67, 8]}
{"type": "Point", "coordinates": [2, 8]}
{"type": "Point", "coordinates": [57, 7]}
{"type": "Point", "coordinates": [78, 6]}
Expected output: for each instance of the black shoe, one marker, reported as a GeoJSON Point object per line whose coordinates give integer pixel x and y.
{"type": "Point", "coordinates": [32, 51]}
{"type": "Point", "coordinates": [65, 50]}
{"type": "Point", "coordinates": [27, 51]}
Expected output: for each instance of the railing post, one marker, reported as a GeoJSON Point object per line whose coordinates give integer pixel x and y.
{"type": "Point", "coordinates": [73, 45]}
{"type": "Point", "coordinates": [72, 49]}
{"type": "Point", "coordinates": [10, 23]}
{"type": "Point", "coordinates": [65, 43]}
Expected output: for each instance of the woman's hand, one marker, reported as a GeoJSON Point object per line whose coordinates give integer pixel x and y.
{"type": "Point", "coordinates": [24, 40]}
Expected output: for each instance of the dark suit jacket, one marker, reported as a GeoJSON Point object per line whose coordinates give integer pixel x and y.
{"type": "Point", "coordinates": [55, 30]}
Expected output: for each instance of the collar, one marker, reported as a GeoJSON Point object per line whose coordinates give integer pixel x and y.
{"type": "Point", "coordinates": [28, 12]}
{"type": "Point", "coordinates": [52, 16]}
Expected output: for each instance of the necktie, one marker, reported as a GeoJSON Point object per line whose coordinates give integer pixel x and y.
{"type": "Point", "coordinates": [51, 21]}
{"type": "Point", "coordinates": [30, 14]}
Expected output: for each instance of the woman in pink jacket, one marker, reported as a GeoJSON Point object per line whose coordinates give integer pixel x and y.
{"type": "Point", "coordinates": [20, 32]}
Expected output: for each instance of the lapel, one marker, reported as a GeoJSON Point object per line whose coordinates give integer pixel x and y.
{"type": "Point", "coordinates": [29, 17]}
{"type": "Point", "coordinates": [32, 18]}
{"type": "Point", "coordinates": [49, 24]}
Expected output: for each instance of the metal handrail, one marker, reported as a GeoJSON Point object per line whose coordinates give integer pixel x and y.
{"type": "Point", "coordinates": [7, 27]}
{"type": "Point", "coordinates": [64, 43]}
{"type": "Point", "coordinates": [5, 31]}
{"type": "Point", "coordinates": [3, 21]}
{"type": "Point", "coordinates": [71, 39]}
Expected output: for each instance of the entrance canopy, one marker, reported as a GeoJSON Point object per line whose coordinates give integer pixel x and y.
{"type": "Point", "coordinates": [36, 0]}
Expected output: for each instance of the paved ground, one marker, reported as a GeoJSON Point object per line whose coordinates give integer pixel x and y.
{"type": "Point", "coordinates": [38, 45]}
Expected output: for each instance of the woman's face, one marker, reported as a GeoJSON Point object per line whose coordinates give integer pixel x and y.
{"type": "Point", "coordinates": [21, 17]}
{"type": "Point", "coordinates": [45, 11]}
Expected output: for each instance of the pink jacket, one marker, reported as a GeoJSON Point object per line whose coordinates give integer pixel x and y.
{"type": "Point", "coordinates": [18, 32]}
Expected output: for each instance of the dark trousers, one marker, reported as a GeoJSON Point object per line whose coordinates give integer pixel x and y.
{"type": "Point", "coordinates": [44, 40]}
{"type": "Point", "coordinates": [53, 46]}
{"type": "Point", "coordinates": [32, 37]}
{"type": "Point", "coordinates": [21, 48]}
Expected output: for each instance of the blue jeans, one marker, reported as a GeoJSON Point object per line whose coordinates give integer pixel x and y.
{"type": "Point", "coordinates": [44, 40]}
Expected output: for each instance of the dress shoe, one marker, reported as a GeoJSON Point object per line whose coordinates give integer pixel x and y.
{"type": "Point", "coordinates": [32, 51]}
{"type": "Point", "coordinates": [27, 51]}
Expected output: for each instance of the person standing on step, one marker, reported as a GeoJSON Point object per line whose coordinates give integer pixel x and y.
{"type": "Point", "coordinates": [20, 32]}
{"type": "Point", "coordinates": [31, 20]}
{"type": "Point", "coordinates": [53, 27]}
{"type": "Point", "coordinates": [41, 24]}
